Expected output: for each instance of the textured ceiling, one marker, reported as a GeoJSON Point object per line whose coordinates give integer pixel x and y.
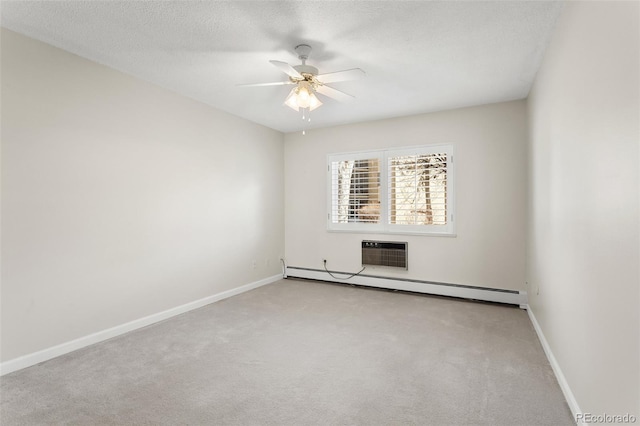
{"type": "Point", "coordinates": [419, 56]}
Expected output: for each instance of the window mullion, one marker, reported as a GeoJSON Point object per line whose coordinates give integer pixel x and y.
{"type": "Point", "coordinates": [385, 191]}
{"type": "Point", "coordinates": [415, 190]}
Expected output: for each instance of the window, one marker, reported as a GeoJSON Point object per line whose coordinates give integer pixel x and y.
{"type": "Point", "coordinates": [407, 190]}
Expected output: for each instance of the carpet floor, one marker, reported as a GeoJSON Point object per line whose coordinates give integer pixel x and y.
{"type": "Point", "coordinates": [303, 353]}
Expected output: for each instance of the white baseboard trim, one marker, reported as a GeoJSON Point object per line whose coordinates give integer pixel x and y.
{"type": "Point", "coordinates": [441, 289]}
{"type": "Point", "coordinates": [562, 381]}
{"type": "Point", "coordinates": [64, 348]}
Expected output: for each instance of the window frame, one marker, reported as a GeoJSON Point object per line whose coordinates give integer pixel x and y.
{"type": "Point", "coordinates": [383, 226]}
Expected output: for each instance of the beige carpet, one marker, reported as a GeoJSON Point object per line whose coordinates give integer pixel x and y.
{"type": "Point", "coordinates": [303, 353]}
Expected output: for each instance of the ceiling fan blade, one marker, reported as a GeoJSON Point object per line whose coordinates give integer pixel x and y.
{"type": "Point", "coordinates": [287, 69]}
{"type": "Point", "coordinates": [334, 93]}
{"type": "Point", "coordinates": [332, 77]}
{"type": "Point", "coordinates": [277, 83]}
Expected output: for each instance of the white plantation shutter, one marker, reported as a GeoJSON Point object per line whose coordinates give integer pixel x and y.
{"type": "Point", "coordinates": [407, 190]}
{"type": "Point", "coordinates": [354, 191]}
{"type": "Point", "coordinates": [418, 189]}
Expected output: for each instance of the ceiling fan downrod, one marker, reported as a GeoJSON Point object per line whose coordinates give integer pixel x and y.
{"type": "Point", "coordinates": [307, 71]}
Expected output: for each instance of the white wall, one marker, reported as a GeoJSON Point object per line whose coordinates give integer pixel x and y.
{"type": "Point", "coordinates": [490, 179]}
{"type": "Point", "coordinates": [583, 207]}
{"type": "Point", "coordinates": [121, 199]}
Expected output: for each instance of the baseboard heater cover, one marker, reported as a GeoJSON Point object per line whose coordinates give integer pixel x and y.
{"type": "Point", "coordinates": [511, 297]}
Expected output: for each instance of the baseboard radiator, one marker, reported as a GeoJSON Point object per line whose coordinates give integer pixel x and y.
{"type": "Point", "coordinates": [510, 297]}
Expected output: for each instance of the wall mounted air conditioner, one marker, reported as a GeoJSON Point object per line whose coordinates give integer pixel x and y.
{"type": "Point", "coordinates": [392, 254]}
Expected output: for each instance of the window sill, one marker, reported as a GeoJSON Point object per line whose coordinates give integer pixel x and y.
{"type": "Point", "coordinates": [377, 232]}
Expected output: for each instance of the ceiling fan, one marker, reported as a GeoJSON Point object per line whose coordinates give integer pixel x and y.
{"type": "Point", "coordinates": [308, 82]}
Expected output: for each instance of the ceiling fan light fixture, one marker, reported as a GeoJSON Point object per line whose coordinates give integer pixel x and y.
{"type": "Point", "coordinates": [292, 100]}
{"type": "Point", "coordinates": [302, 96]}
{"type": "Point", "coordinates": [314, 102]}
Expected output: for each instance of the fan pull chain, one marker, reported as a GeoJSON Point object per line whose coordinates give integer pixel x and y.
{"type": "Point", "coordinates": [306, 118]}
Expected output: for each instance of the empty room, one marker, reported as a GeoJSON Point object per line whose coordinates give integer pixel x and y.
{"type": "Point", "coordinates": [320, 212]}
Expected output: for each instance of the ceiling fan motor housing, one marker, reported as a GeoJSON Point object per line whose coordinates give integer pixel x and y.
{"type": "Point", "coordinates": [306, 69]}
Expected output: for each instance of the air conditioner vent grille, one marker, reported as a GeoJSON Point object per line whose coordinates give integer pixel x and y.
{"type": "Point", "coordinates": [384, 253]}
